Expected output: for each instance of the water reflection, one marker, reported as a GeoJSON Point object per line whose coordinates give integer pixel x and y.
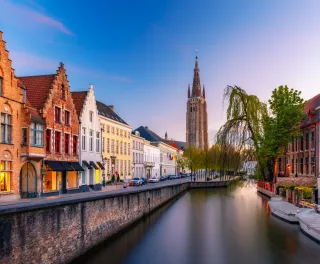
{"type": "Point", "coordinates": [230, 225]}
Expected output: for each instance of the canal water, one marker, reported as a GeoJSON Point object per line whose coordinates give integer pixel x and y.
{"type": "Point", "coordinates": [230, 225]}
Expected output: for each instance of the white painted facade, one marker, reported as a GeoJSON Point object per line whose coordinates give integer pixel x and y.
{"type": "Point", "coordinates": [167, 162]}
{"type": "Point", "coordinates": [151, 158]}
{"type": "Point", "coordinates": [90, 142]}
{"type": "Point", "coordinates": [137, 155]}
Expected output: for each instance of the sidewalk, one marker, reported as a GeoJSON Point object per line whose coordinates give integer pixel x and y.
{"type": "Point", "coordinates": [108, 188]}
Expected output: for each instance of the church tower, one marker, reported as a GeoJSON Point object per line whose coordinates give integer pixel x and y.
{"type": "Point", "coordinates": [197, 119]}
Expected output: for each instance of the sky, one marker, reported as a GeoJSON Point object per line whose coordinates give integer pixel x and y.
{"type": "Point", "coordinates": [140, 55]}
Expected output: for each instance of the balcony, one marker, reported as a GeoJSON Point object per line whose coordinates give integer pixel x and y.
{"type": "Point", "coordinates": [149, 164]}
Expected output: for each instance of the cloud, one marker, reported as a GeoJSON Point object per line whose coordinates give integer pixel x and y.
{"type": "Point", "coordinates": [30, 15]}
{"type": "Point", "coordinates": [40, 65]}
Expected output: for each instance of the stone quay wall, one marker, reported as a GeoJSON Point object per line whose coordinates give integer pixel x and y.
{"type": "Point", "coordinates": [59, 231]}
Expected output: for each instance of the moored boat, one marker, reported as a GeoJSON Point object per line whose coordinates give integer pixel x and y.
{"type": "Point", "coordinates": [309, 220]}
{"type": "Point", "coordinates": [283, 210]}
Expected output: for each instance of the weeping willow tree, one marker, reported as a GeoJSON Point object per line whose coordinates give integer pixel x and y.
{"type": "Point", "coordinates": [244, 127]}
{"type": "Point", "coordinates": [250, 126]}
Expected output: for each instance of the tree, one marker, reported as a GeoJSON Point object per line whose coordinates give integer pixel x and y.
{"type": "Point", "coordinates": [191, 155]}
{"type": "Point", "coordinates": [287, 111]}
{"type": "Point", "coordinates": [244, 126]}
{"type": "Point", "coordinates": [244, 118]}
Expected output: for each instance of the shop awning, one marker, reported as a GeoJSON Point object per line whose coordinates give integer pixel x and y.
{"type": "Point", "coordinates": [87, 164]}
{"type": "Point", "coordinates": [94, 165]}
{"type": "Point", "coordinates": [66, 165]}
{"type": "Point", "coordinates": [54, 165]}
{"type": "Point", "coordinates": [100, 165]}
{"type": "Point", "coordinates": [76, 166]}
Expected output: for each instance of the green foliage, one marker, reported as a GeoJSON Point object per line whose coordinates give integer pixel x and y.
{"type": "Point", "coordinates": [286, 106]}
{"type": "Point", "coordinates": [113, 178]}
{"type": "Point", "coordinates": [118, 178]}
{"type": "Point", "coordinates": [305, 191]}
{"type": "Point", "coordinates": [289, 187]}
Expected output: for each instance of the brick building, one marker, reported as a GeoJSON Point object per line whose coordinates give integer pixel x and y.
{"type": "Point", "coordinates": [300, 165]}
{"type": "Point", "coordinates": [12, 99]}
{"type": "Point", "coordinates": [50, 95]}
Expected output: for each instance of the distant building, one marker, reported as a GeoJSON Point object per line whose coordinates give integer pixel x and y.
{"type": "Point", "coordinates": [151, 160]}
{"type": "Point", "coordinates": [137, 155]}
{"type": "Point", "coordinates": [168, 152]}
{"type": "Point", "coordinates": [197, 117]}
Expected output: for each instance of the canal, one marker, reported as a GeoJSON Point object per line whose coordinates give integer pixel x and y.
{"type": "Point", "coordinates": [230, 225]}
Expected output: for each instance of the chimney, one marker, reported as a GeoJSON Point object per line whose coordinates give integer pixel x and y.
{"type": "Point", "coordinates": [0, 35]}
{"type": "Point", "coordinates": [111, 107]}
{"type": "Point", "coordinates": [90, 87]}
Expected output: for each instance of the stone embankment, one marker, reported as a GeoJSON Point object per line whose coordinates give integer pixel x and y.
{"type": "Point", "coordinates": [57, 231]}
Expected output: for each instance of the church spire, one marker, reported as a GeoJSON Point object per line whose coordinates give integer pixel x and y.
{"type": "Point", "coordinates": [189, 91]}
{"type": "Point", "coordinates": [203, 92]}
{"type": "Point", "coordinates": [196, 87]}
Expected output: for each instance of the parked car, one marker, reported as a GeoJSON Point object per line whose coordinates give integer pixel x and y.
{"type": "Point", "coordinates": [162, 178]}
{"type": "Point", "coordinates": [154, 180]}
{"type": "Point", "coordinates": [144, 181]}
{"type": "Point", "coordinates": [135, 182]}
{"type": "Point", "coordinates": [171, 177]}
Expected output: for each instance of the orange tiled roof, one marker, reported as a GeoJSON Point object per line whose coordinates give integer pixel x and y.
{"type": "Point", "coordinates": [37, 88]}
{"type": "Point", "coordinates": [78, 100]}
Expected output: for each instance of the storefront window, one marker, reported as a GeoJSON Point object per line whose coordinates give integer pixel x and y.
{"type": "Point", "coordinates": [72, 179]}
{"type": "Point", "coordinates": [98, 176]}
{"type": "Point", "coordinates": [50, 181]}
{"type": "Point", "coordinates": [5, 175]}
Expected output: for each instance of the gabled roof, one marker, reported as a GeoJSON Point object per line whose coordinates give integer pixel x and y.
{"type": "Point", "coordinates": [37, 88]}
{"type": "Point", "coordinates": [147, 134]}
{"type": "Point", "coordinates": [78, 100]}
{"type": "Point", "coordinates": [151, 136]}
{"type": "Point", "coordinates": [312, 103]}
{"type": "Point", "coordinates": [105, 111]}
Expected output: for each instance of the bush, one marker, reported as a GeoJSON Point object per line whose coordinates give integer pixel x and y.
{"type": "Point", "coordinates": [108, 182]}
{"type": "Point", "coordinates": [113, 178]}
{"type": "Point", "coordinates": [289, 187]}
{"type": "Point", "coordinates": [118, 178]}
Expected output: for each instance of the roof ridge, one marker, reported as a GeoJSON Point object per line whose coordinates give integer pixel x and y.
{"type": "Point", "coordinates": [53, 74]}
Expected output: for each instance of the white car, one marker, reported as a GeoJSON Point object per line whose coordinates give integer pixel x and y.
{"type": "Point", "coordinates": [154, 179]}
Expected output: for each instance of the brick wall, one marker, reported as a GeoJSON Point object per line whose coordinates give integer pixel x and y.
{"type": "Point", "coordinates": [54, 99]}
{"type": "Point", "coordinates": [58, 233]}
{"type": "Point", "coordinates": [10, 103]}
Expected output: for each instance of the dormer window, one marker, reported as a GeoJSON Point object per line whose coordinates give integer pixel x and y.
{"type": "Point", "coordinates": [63, 92]}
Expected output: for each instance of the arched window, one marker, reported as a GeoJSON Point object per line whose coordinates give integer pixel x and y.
{"type": "Point", "coordinates": [63, 92]}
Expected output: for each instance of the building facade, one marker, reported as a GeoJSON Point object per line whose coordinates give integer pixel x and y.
{"type": "Point", "coordinates": [137, 155]}
{"type": "Point", "coordinates": [197, 118]}
{"type": "Point", "coordinates": [90, 155]}
{"type": "Point", "coordinates": [51, 96]}
{"type": "Point", "coordinates": [151, 160]}
{"type": "Point", "coordinates": [116, 143]}
{"type": "Point", "coordinates": [300, 165]}
{"type": "Point", "coordinates": [12, 100]}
